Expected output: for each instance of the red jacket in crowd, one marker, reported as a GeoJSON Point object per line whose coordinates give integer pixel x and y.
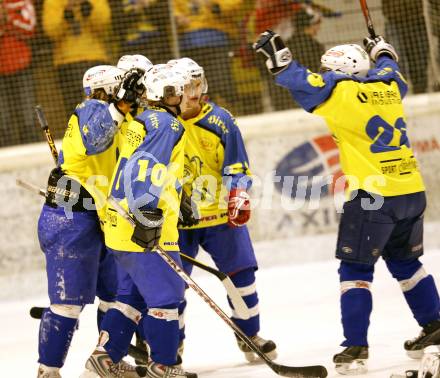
{"type": "Point", "coordinates": [17, 24]}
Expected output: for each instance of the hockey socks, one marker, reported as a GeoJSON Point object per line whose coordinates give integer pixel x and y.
{"type": "Point", "coordinates": [103, 307]}
{"type": "Point", "coordinates": [418, 288]}
{"type": "Point", "coordinates": [244, 281]}
{"type": "Point", "coordinates": [356, 302]}
{"type": "Point", "coordinates": [99, 318]}
{"type": "Point", "coordinates": [181, 309]}
{"type": "Point", "coordinates": [54, 338]}
{"type": "Point", "coordinates": [161, 328]}
{"type": "Point", "coordinates": [118, 328]}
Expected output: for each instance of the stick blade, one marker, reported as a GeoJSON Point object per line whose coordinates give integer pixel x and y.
{"type": "Point", "coordinates": [36, 312]}
{"type": "Point", "coordinates": [314, 371]}
{"type": "Point", "coordinates": [41, 117]}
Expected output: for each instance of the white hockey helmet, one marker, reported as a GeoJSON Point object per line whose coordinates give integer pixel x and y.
{"type": "Point", "coordinates": [164, 81]}
{"type": "Point", "coordinates": [104, 77]}
{"type": "Point", "coordinates": [192, 68]}
{"type": "Point", "coordinates": [128, 62]}
{"type": "Point", "coordinates": [349, 59]}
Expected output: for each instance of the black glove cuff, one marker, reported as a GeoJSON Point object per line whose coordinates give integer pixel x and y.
{"type": "Point", "coordinates": [147, 235]}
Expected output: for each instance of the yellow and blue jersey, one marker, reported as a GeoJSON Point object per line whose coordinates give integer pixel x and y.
{"type": "Point", "coordinates": [89, 149]}
{"type": "Point", "coordinates": [367, 121]}
{"type": "Point", "coordinates": [148, 175]}
{"type": "Point", "coordinates": [215, 162]}
{"type": "Point", "coordinates": [124, 126]}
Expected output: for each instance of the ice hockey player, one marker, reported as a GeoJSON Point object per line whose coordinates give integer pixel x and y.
{"type": "Point", "coordinates": [128, 62]}
{"type": "Point", "coordinates": [217, 180]}
{"type": "Point", "coordinates": [147, 182]}
{"type": "Point", "coordinates": [78, 266]}
{"type": "Point", "coordinates": [384, 213]}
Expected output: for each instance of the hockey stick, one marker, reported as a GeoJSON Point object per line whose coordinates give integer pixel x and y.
{"type": "Point", "coordinates": [239, 304]}
{"type": "Point", "coordinates": [237, 300]}
{"type": "Point", "coordinates": [45, 127]}
{"type": "Point", "coordinates": [368, 20]}
{"type": "Point", "coordinates": [316, 371]}
{"type": "Point", "coordinates": [31, 187]}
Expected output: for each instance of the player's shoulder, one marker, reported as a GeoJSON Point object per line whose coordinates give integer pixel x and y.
{"type": "Point", "coordinates": [386, 69]}
{"type": "Point", "coordinates": [90, 106]}
{"type": "Point", "coordinates": [217, 119]}
{"type": "Point", "coordinates": [158, 120]}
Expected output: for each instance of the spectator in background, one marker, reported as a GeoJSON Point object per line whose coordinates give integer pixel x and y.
{"type": "Point", "coordinates": [406, 30]}
{"type": "Point", "coordinates": [17, 25]}
{"type": "Point", "coordinates": [303, 42]}
{"type": "Point", "coordinates": [305, 24]}
{"type": "Point", "coordinates": [434, 23]}
{"type": "Point", "coordinates": [274, 14]}
{"type": "Point", "coordinates": [205, 36]}
{"type": "Point", "coordinates": [78, 30]}
{"type": "Point", "coordinates": [145, 27]}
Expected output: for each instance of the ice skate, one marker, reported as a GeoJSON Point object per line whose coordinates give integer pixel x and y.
{"type": "Point", "coordinates": [430, 364]}
{"type": "Point", "coordinates": [268, 347]}
{"type": "Point", "coordinates": [142, 345]}
{"type": "Point", "coordinates": [155, 370]}
{"type": "Point", "coordinates": [408, 374]}
{"type": "Point", "coordinates": [48, 372]}
{"type": "Point", "coordinates": [352, 360]}
{"type": "Point", "coordinates": [102, 365]}
{"type": "Point", "coordinates": [430, 335]}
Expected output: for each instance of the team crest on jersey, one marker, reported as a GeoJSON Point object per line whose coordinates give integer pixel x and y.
{"type": "Point", "coordinates": [317, 157]}
{"type": "Point", "coordinates": [193, 167]}
{"type": "Point", "coordinates": [206, 144]}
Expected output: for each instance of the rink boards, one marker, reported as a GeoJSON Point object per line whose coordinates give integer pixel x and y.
{"type": "Point", "coordinates": [283, 148]}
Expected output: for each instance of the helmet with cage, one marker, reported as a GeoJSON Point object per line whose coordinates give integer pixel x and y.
{"type": "Point", "coordinates": [192, 68]}
{"type": "Point", "coordinates": [163, 81]}
{"type": "Point", "coordinates": [350, 59]}
{"type": "Point", "coordinates": [102, 77]}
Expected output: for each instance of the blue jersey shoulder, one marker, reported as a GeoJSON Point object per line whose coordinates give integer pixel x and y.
{"type": "Point", "coordinates": [96, 125]}
{"type": "Point", "coordinates": [219, 121]}
{"type": "Point", "coordinates": [159, 121]}
{"type": "Point", "coordinates": [160, 124]}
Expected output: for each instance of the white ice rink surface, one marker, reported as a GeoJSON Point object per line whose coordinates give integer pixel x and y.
{"type": "Point", "coordinates": [299, 307]}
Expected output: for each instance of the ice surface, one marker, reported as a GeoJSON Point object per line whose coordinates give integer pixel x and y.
{"type": "Point", "coordinates": [299, 306]}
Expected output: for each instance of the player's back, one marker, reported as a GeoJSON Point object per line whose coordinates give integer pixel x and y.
{"type": "Point", "coordinates": [148, 175]}
{"type": "Point", "coordinates": [367, 120]}
{"type": "Point", "coordinates": [90, 148]}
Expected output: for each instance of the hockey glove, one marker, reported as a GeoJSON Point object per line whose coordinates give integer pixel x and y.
{"type": "Point", "coordinates": [148, 229]}
{"type": "Point", "coordinates": [189, 214]}
{"type": "Point", "coordinates": [376, 47]}
{"type": "Point", "coordinates": [131, 88]}
{"type": "Point", "coordinates": [273, 48]}
{"type": "Point", "coordinates": [239, 207]}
